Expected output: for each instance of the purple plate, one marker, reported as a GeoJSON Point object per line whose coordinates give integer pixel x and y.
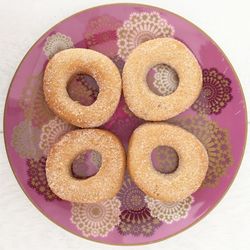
{"type": "Point", "coordinates": [217, 118]}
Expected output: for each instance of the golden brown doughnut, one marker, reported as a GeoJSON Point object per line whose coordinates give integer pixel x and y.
{"type": "Point", "coordinates": [140, 99]}
{"type": "Point", "coordinates": [191, 171]}
{"type": "Point", "coordinates": [102, 186]}
{"type": "Point", "coordinates": [69, 62]}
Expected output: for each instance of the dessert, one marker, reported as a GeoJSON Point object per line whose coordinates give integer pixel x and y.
{"type": "Point", "coordinates": [140, 99]}
{"type": "Point", "coordinates": [102, 186]}
{"type": "Point", "coordinates": [172, 187]}
{"type": "Point", "coordinates": [66, 64]}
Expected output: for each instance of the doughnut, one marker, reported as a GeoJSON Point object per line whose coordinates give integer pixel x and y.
{"type": "Point", "coordinates": [140, 99]}
{"type": "Point", "coordinates": [102, 186]}
{"type": "Point", "coordinates": [175, 186]}
{"type": "Point", "coordinates": [59, 71]}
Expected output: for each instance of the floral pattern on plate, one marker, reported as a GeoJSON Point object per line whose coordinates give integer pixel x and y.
{"type": "Point", "coordinates": [87, 164]}
{"type": "Point", "coordinates": [165, 79]}
{"type": "Point", "coordinates": [52, 132]}
{"type": "Point", "coordinates": [56, 43]}
{"type": "Point", "coordinates": [215, 140]}
{"type": "Point", "coordinates": [119, 62]}
{"type": "Point", "coordinates": [110, 29]}
{"type": "Point", "coordinates": [33, 103]}
{"type": "Point", "coordinates": [100, 34]}
{"type": "Point", "coordinates": [169, 212]}
{"type": "Point", "coordinates": [96, 219]}
{"type": "Point", "coordinates": [25, 139]}
{"type": "Point", "coordinates": [215, 94]}
{"type": "Point", "coordinates": [165, 159]}
{"type": "Point", "coordinates": [140, 28]}
{"type": "Point", "coordinates": [83, 89]}
{"type": "Point", "coordinates": [135, 216]}
{"type": "Point", "coordinates": [37, 178]}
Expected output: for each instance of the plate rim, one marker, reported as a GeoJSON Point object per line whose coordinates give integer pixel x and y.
{"type": "Point", "coordinates": [157, 9]}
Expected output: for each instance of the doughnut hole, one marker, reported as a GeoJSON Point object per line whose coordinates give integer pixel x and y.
{"type": "Point", "coordinates": [86, 164]}
{"type": "Point", "coordinates": [164, 159]}
{"type": "Point", "coordinates": [162, 79]}
{"type": "Point", "coordinates": [83, 88]}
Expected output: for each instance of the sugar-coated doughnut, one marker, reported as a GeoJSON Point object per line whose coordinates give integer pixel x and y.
{"type": "Point", "coordinates": [102, 186]}
{"type": "Point", "coordinates": [191, 171]}
{"type": "Point", "coordinates": [69, 62]}
{"type": "Point", "coordinates": [140, 99]}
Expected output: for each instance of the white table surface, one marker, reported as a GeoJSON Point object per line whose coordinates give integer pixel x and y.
{"type": "Point", "coordinates": [22, 226]}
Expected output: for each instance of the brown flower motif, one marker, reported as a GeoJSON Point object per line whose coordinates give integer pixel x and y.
{"type": "Point", "coordinates": [215, 94]}
{"type": "Point", "coordinates": [83, 89]}
{"type": "Point", "coordinates": [164, 159]}
{"type": "Point", "coordinates": [215, 140]}
{"type": "Point", "coordinates": [135, 216]}
{"type": "Point", "coordinates": [37, 178]}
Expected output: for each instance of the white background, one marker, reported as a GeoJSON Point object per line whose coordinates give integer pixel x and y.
{"type": "Point", "coordinates": [22, 226]}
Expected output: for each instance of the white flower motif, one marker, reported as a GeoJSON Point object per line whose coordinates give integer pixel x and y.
{"type": "Point", "coordinates": [96, 219]}
{"type": "Point", "coordinates": [169, 212]}
{"type": "Point", "coordinates": [165, 79]}
{"type": "Point", "coordinates": [51, 133]}
{"type": "Point", "coordinates": [56, 43]}
{"type": "Point", "coordinates": [140, 28]}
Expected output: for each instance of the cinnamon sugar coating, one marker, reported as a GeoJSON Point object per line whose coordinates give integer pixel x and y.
{"type": "Point", "coordinates": [69, 62]}
{"type": "Point", "coordinates": [140, 99]}
{"type": "Point", "coordinates": [102, 186]}
{"type": "Point", "coordinates": [191, 171]}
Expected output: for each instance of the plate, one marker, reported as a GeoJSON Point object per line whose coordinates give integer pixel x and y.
{"type": "Point", "coordinates": [217, 118]}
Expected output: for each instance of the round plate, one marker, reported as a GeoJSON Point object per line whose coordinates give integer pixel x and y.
{"type": "Point", "coordinates": [217, 118]}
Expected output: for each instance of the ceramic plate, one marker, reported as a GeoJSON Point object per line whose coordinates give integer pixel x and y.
{"type": "Point", "coordinates": [217, 118]}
